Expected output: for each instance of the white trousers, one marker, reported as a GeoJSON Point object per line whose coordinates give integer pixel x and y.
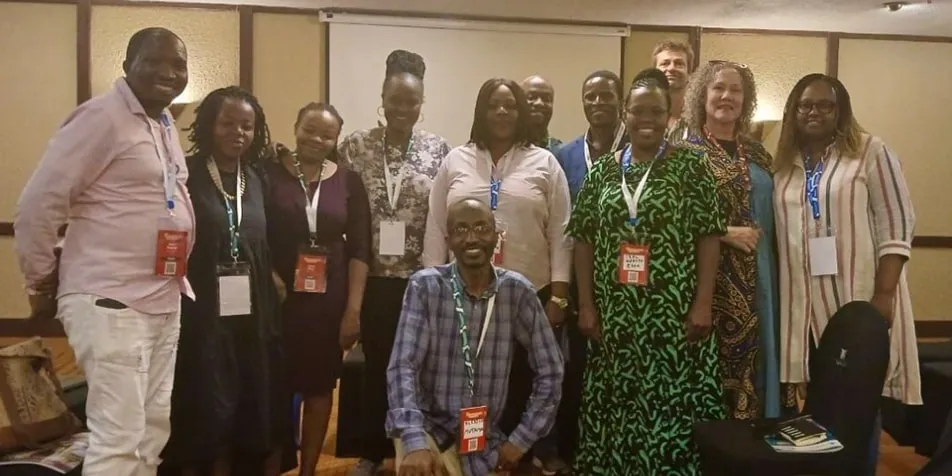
{"type": "Point", "coordinates": [129, 361]}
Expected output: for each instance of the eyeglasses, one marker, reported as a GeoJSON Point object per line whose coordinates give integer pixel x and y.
{"type": "Point", "coordinates": [480, 229]}
{"type": "Point", "coordinates": [823, 107]}
{"type": "Point", "coordinates": [729, 63]}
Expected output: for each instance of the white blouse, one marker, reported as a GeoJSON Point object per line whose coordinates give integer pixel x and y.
{"type": "Point", "coordinates": [533, 209]}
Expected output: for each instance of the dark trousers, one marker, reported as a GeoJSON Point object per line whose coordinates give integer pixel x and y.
{"type": "Point", "coordinates": [563, 437]}
{"type": "Point", "coordinates": [379, 316]}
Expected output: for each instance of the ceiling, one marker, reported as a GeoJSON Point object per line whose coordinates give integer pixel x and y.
{"type": "Point", "coordinates": [920, 17]}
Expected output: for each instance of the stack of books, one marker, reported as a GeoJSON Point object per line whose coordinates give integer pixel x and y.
{"type": "Point", "coordinates": [802, 435]}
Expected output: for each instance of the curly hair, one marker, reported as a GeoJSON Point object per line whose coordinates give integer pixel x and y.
{"type": "Point", "coordinates": [848, 131]}
{"type": "Point", "coordinates": [695, 98]}
{"type": "Point", "coordinates": [202, 131]}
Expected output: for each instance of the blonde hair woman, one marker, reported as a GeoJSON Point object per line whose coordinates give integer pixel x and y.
{"type": "Point", "coordinates": [718, 109]}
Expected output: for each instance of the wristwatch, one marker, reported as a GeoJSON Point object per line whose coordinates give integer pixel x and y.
{"type": "Point", "coordinates": [559, 301]}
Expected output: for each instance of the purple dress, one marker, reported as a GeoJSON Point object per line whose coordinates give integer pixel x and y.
{"type": "Point", "coordinates": [311, 321]}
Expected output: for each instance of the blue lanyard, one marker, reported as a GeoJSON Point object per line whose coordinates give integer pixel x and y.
{"type": "Point", "coordinates": [626, 155]}
{"type": "Point", "coordinates": [813, 176]}
{"type": "Point", "coordinates": [494, 185]}
{"type": "Point", "coordinates": [168, 177]}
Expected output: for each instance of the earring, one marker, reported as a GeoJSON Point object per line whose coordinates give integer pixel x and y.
{"type": "Point", "coordinates": [380, 111]}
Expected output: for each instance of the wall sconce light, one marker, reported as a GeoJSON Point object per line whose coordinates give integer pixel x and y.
{"type": "Point", "coordinates": [895, 6]}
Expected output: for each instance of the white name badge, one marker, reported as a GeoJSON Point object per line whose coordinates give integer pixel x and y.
{"type": "Point", "coordinates": [393, 238]}
{"type": "Point", "coordinates": [822, 252]}
{"type": "Point", "coordinates": [234, 295]}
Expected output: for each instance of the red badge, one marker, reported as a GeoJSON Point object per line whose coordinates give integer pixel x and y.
{"type": "Point", "coordinates": [310, 276]}
{"type": "Point", "coordinates": [171, 253]}
{"type": "Point", "coordinates": [633, 264]}
{"type": "Point", "coordinates": [472, 431]}
{"type": "Point", "coordinates": [497, 252]}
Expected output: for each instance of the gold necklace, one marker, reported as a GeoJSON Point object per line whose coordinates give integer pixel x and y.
{"type": "Point", "coordinates": [216, 178]}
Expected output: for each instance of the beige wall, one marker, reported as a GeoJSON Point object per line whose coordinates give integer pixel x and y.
{"type": "Point", "coordinates": [39, 89]}
{"type": "Point", "coordinates": [211, 37]}
{"type": "Point", "coordinates": [44, 56]}
{"type": "Point", "coordinates": [777, 61]}
{"type": "Point", "coordinates": [288, 68]}
{"type": "Point", "coordinates": [638, 48]}
{"type": "Point", "coordinates": [900, 91]}
{"type": "Point", "coordinates": [876, 72]}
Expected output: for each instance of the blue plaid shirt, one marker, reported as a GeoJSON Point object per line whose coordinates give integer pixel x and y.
{"type": "Point", "coordinates": [426, 380]}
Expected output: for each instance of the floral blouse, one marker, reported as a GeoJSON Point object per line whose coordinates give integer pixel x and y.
{"type": "Point", "coordinates": [363, 151]}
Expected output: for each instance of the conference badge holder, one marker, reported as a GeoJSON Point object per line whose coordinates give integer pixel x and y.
{"type": "Point", "coordinates": [822, 252]}
{"type": "Point", "coordinates": [234, 289]}
{"type": "Point", "coordinates": [171, 250]}
{"type": "Point", "coordinates": [500, 243]}
{"type": "Point", "coordinates": [310, 274]}
{"type": "Point", "coordinates": [633, 259]}
{"type": "Point", "coordinates": [472, 432]}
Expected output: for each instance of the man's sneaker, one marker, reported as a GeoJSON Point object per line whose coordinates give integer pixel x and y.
{"type": "Point", "coordinates": [364, 467]}
{"type": "Point", "coordinates": [552, 466]}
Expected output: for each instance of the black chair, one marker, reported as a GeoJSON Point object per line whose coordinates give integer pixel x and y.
{"type": "Point", "coordinates": [941, 462]}
{"type": "Point", "coordinates": [847, 373]}
{"type": "Point", "coordinates": [901, 421]}
{"type": "Point", "coordinates": [936, 405]}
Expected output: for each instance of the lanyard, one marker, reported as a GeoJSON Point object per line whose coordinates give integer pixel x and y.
{"type": "Point", "coordinates": [168, 163]}
{"type": "Point", "coordinates": [496, 183]}
{"type": "Point", "coordinates": [310, 204]}
{"type": "Point", "coordinates": [233, 224]}
{"type": "Point", "coordinates": [632, 200]}
{"type": "Point", "coordinates": [619, 136]}
{"type": "Point", "coordinates": [813, 176]}
{"type": "Point", "coordinates": [464, 329]}
{"type": "Point", "coordinates": [394, 182]}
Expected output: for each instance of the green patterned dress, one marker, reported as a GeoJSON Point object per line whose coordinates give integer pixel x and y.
{"type": "Point", "coordinates": [645, 385]}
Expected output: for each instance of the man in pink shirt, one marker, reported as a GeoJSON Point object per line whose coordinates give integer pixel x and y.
{"type": "Point", "coordinates": [115, 172]}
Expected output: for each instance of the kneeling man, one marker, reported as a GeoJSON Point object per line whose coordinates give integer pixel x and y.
{"type": "Point", "coordinates": [448, 373]}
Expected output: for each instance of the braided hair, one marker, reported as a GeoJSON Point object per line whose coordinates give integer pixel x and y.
{"type": "Point", "coordinates": [651, 78]}
{"type": "Point", "coordinates": [404, 62]}
{"type": "Point", "coordinates": [202, 131]}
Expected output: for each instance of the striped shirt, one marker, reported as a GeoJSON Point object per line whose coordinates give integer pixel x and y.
{"type": "Point", "coordinates": [865, 202]}
{"type": "Point", "coordinates": [426, 380]}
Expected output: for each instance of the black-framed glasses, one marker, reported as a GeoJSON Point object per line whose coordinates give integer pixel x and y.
{"type": "Point", "coordinates": [823, 107]}
{"type": "Point", "coordinates": [729, 63]}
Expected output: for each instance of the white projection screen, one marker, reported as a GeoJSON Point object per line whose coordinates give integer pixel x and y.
{"type": "Point", "coordinates": [460, 56]}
